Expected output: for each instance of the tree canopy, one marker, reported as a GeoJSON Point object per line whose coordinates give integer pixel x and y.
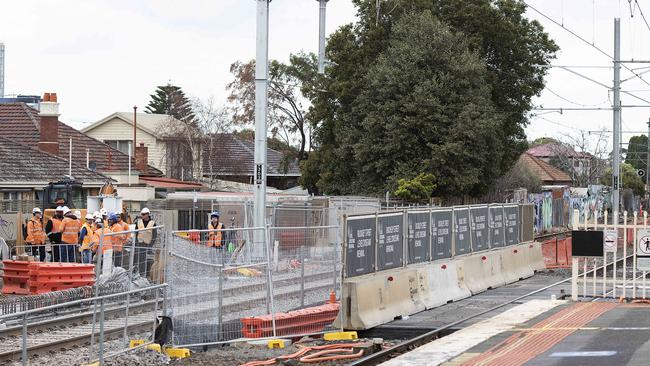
{"type": "Point", "coordinates": [629, 179]}
{"type": "Point", "coordinates": [171, 100]}
{"type": "Point", "coordinates": [421, 86]}
{"type": "Point", "coordinates": [637, 150]}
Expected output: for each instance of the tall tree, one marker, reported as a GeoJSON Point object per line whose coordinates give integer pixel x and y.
{"type": "Point", "coordinates": [510, 45]}
{"type": "Point", "coordinates": [171, 100]}
{"type": "Point", "coordinates": [637, 150]}
{"type": "Point", "coordinates": [286, 118]}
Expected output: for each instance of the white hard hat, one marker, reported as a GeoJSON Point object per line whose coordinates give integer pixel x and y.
{"type": "Point", "coordinates": [36, 210]}
{"type": "Point", "coordinates": [99, 221]}
{"type": "Point", "coordinates": [97, 215]}
{"type": "Point", "coordinates": [145, 211]}
{"type": "Point", "coordinates": [89, 216]}
{"type": "Point", "coordinates": [77, 213]}
{"type": "Point", "coordinates": [103, 212]}
{"type": "Point", "coordinates": [65, 210]}
{"type": "Point", "coordinates": [58, 208]}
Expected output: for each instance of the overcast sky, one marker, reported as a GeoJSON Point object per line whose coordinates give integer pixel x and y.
{"type": "Point", "coordinates": [106, 56]}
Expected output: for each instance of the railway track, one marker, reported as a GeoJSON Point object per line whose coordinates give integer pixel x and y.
{"type": "Point", "coordinates": [76, 330]}
{"type": "Point", "coordinates": [410, 344]}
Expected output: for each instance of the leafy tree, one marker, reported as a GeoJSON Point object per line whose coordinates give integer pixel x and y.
{"type": "Point", "coordinates": [417, 189]}
{"type": "Point", "coordinates": [637, 150]}
{"type": "Point", "coordinates": [286, 118]}
{"type": "Point", "coordinates": [507, 43]}
{"type": "Point", "coordinates": [629, 179]}
{"type": "Point", "coordinates": [171, 100]}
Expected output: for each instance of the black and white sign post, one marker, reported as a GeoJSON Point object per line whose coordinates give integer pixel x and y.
{"type": "Point", "coordinates": [642, 250]}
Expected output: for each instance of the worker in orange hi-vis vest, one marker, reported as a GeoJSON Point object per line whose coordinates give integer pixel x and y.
{"type": "Point", "coordinates": [36, 235]}
{"type": "Point", "coordinates": [53, 232]}
{"type": "Point", "coordinates": [100, 230]}
{"type": "Point", "coordinates": [215, 237]}
{"type": "Point", "coordinates": [69, 236]}
{"type": "Point", "coordinates": [86, 236]}
{"type": "Point", "coordinates": [118, 240]}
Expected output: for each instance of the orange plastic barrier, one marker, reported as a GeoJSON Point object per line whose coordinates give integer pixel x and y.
{"type": "Point", "coordinates": [15, 277]}
{"type": "Point", "coordinates": [48, 277]}
{"type": "Point", "coordinates": [291, 239]}
{"type": "Point", "coordinates": [308, 320]}
{"type": "Point", "coordinates": [549, 251]}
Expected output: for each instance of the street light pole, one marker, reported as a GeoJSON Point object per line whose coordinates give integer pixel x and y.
{"type": "Point", "coordinates": [261, 105]}
{"type": "Point", "coordinates": [321, 35]}
{"type": "Point", "coordinates": [616, 159]}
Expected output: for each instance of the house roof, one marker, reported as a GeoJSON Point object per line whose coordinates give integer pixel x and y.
{"type": "Point", "coordinates": [21, 123]}
{"type": "Point", "coordinates": [226, 154]}
{"type": "Point", "coordinates": [24, 164]}
{"type": "Point", "coordinates": [543, 170]}
{"type": "Point", "coordinates": [163, 182]}
{"type": "Point", "coordinates": [151, 123]}
{"type": "Point", "coordinates": [553, 149]}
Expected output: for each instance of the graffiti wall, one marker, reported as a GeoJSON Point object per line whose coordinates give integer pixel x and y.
{"type": "Point", "coordinates": [8, 226]}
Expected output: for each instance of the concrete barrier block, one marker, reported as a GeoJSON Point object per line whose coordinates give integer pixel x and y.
{"type": "Point", "coordinates": [515, 265]}
{"type": "Point", "coordinates": [376, 299]}
{"type": "Point", "coordinates": [483, 271]}
{"type": "Point", "coordinates": [535, 256]}
{"type": "Point", "coordinates": [443, 284]}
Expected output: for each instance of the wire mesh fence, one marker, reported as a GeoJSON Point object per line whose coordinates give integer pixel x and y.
{"type": "Point", "coordinates": [268, 282]}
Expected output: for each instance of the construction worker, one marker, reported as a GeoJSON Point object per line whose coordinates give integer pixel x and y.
{"type": "Point", "coordinates": [118, 240]}
{"type": "Point", "coordinates": [99, 237]}
{"type": "Point", "coordinates": [144, 240]}
{"type": "Point", "coordinates": [70, 235]}
{"type": "Point", "coordinates": [53, 230]}
{"type": "Point", "coordinates": [215, 238]}
{"type": "Point", "coordinates": [85, 237]}
{"type": "Point", "coordinates": [35, 234]}
{"type": "Point", "coordinates": [104, 214]}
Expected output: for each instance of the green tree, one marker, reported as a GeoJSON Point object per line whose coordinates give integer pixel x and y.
{"type": "Point", "coordinates": [629, 179]}
{"type": "Point", "coordinates": [417, 189]}
{"type": "Point", "coordinates": [171, 100]}
{"type": "Point", "coordinates": [637, 150]}
{"type": "Point", "coordinates": [509, 45]}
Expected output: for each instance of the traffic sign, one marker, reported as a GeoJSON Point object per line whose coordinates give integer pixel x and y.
{"type": "Point", "coordinates": [643, 250]}
{"type": "Point", "coordinates": [609, 241]}
{"type": "Point", "coordinates": [640, 172]}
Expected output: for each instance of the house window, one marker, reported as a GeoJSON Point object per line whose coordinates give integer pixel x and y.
{"type": "Point", "coordinates": [120, 145]}
{"type": "Point", "coordinates": [576, 163]}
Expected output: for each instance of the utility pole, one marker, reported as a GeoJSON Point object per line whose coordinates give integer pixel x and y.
{"type": "Point", "coordinates": [647, 168]}
{"type": "Point", "coordinates": [321, 35]}
{"type": "Point", "coordinates": [261, 105]}
{"type": "Point", "coordinates": [617, 118]}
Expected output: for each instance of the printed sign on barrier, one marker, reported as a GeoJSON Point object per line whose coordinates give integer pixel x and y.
{"type": "Point", "coordinates": [643, 250]}
{"type": "Point", "coordinates": [418, 237]}
{"type": "Point", "coordinates": [462, 234]}
{"type": "Point", "coordinates": [360, 245]}
{"type": "Point", "coordinates": [497, 234]}
{"type": "Point", "coordinates": [390, 247]}
{"type": "Point", "coordinates": [512, 224]}
{"type": "Point", "coordinates": [480, 234]}
{"type": "Point", "coordinates": [441, 233]}
{"type": "Point", "coordinates": [610, 239]}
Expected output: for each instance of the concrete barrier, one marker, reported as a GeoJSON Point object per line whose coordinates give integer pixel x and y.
{"type": "Point", "coordinates": [376, 299]}
{"type": "Point", "coordinates": [534, 253]}
{"type": "Point", "coordinates": [443, 283]}
{"type": "Point", "coordinates": [515, 266]}
{"type": "Point", "coordinates": [482, 271]}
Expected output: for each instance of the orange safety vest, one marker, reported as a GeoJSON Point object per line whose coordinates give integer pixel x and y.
{"type": "Point", "coordinates": [118, 240]}
{"type": "Point", "coordinates": [35, 234]}
{"type": "Point", "coordinates": [108, 240]}
{"type": "Point", "coordinates": [57, 225]}
{"type": "Point", "coordinates": [70, 231]}
{"type": "Point", "coordinates": [85, 244]}
{"type": "Point", "coordinates": [214, 237]}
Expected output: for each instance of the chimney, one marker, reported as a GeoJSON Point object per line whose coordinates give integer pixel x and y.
{"type": "Point", "coordinates": [49, 113]}
{"type": "Point", "coordinates": [141, 158]}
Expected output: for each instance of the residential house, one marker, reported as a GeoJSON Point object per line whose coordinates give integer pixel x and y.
{"type": "Point", "coordinates": [576, 162]}
{"type": "Point", "coordinates": [163, 136]}
{"type": "Point", "coordinates": [547, 174]}
{"type": "Point", "coordinates": [231, 158]}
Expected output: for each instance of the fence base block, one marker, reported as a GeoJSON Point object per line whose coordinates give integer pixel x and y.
{"type": "Point", "coordinates": [177, 352]}
{"type": "Point", "coordinates": [340, 336]}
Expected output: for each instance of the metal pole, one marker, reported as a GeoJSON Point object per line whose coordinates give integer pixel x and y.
{"type": "Point", "coordinates": [128, 296]}
{"type": "Point", "coordinates": [617, 116]}
{"type": "Point", "coordinates": [24, 350]}
{"type": "Point", "coordinates": [321, 36]}
{"type": "Point", "coordinates": [647, 169]}
{"type": "Point", "coordinates": [261, 104]}
{"type": "Point", "coordinates": [219, 329]}
{"type": "Point", "coordinates": [70, 158]}
{"type": "Point", "coordinates": [101, 331]}
{"type": "Point", "coordinates": [302, 276]}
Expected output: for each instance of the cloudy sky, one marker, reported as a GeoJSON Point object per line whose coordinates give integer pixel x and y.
{"type": "Point", "coordinates": [106, 56]}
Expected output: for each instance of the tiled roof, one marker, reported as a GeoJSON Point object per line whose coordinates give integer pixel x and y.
{"type": "Point", "coordinates": [553, 149]}
{"type": "Point", "coordinates": [163, 182]}
{"type": "Point", "coordinates": [543, 170]}
{"type": "Point", "coordinates": [227, 154]}
{"type": "Point", "coordinates": [21, 163]}
{"type": "Point", "coordinates": [22, 123]}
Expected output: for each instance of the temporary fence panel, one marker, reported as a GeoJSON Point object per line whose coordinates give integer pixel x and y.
{"type": "Point", "coordinates": [360, 234]}
{"type": "Point", "coordinates": [511, 213]}
{"type": "Point", "coordinates": [208, 297]}
{"type": "Point", "coordinates": [497, 232]}
{"type": "Point", "coordinates": [441, 234]}
{"type": "Point", "coordinates": [390, 241]}
{"type": "Point", "coordinates": [419, 230]}
{"type": "Point", "coordinates": [527, 222]}
{"type": "Point", "coordinates": [462, 236]}
{"type": "Point", "coordinates": [479, 233]}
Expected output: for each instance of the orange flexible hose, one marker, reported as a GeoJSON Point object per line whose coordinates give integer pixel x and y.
{"type": "Point", "coordinates": [313, 357]}
{"type": "Point", "coordinates": [330, 348]}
